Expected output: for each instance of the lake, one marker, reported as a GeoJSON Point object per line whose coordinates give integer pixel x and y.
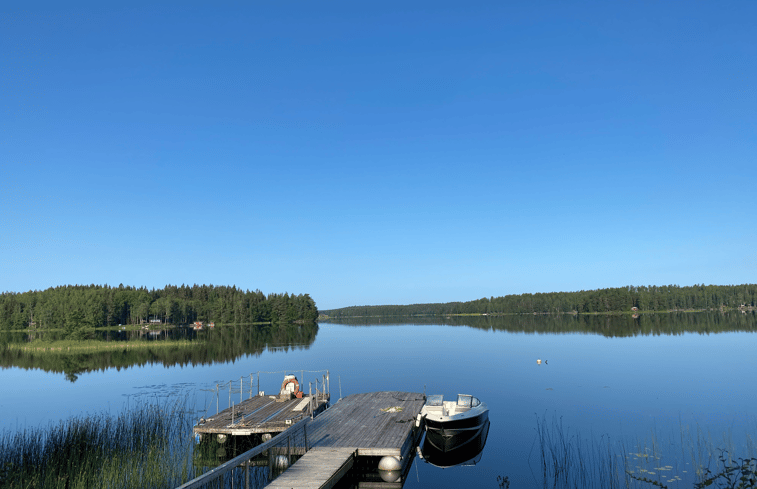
{"type": "Point", "coordinates": [645, 383]}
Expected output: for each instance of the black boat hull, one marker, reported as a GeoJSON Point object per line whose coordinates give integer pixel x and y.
{"type": "Point", "coordinates": [468, 453]}
{"type": "Point", "coordinates": [447, 436]}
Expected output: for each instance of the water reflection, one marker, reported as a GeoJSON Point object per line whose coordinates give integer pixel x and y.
{"type": "Point", "coordinates": [618, 325]}
{"type": "Point", "coordinates": [180, 346]}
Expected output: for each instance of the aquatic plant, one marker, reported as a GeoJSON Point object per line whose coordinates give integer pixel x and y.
{"type": "Point", "coordinates": [149, 445]}
{"type": "Point", "coordinates": [739, 474]}
{"type": "Point", "coordinates": [569, 460]}
{"type": "Point", "coordinates": [689, 456]}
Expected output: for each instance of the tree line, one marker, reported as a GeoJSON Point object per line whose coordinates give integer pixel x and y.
{"type": "Point", "coordinates": [618, 299]}
{"type": "Point", "coordinates": [608, 325]}
{"type": "Point", "coordinates": [74, 307]}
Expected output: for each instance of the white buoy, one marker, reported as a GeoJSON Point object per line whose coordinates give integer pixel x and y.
{"type": "Point", "coordinates": [390, 469]}
{"type": "Point", "coordinates": [538, 361]}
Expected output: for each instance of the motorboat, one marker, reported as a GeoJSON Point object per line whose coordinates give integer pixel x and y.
{"type": "Point", "coordinates": [454, 425]}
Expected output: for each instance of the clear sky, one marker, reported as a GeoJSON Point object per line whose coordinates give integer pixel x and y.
{"type": "Point", "coordinates": [378, 152]}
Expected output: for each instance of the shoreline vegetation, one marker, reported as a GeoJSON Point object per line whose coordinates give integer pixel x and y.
{"type": "Point", "coordinates": [81, 309]}
{"type": "Point", "coordinates": [618, 300]}
{"type": "Point", "coordinates": [147, 445]}
{"type": "Point", "coordinates": [94, 346]}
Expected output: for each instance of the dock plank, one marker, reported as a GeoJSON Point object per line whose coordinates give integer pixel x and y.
{"type": "Point", "coordinates": [319, 468]}
{"type": "Point", "coordinates": [367, 424]}
{"type": "Point", "coordinates": [259, 414]}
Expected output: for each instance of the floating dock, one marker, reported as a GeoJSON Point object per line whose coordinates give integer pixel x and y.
{"type": "Point", "coordinates": [261, 415]}
{"type": "Point", "coordinates": [376, 424]}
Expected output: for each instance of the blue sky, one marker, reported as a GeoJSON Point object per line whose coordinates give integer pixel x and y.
{"type": "Point", "coordinates": [378, 152]}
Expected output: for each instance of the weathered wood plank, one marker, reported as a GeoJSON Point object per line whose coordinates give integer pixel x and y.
{"type": "Point", "coordinates": [260, 414]}
{"type": "Point", "coordinates": [366, 424]}
{"type": "Point", "coordinates": [319, 468]}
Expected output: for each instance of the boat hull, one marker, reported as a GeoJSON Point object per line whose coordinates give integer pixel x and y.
{"type": "Point", "coordinates": [468, 453]}
{"type": "Point", "coordinates": [454, 434]}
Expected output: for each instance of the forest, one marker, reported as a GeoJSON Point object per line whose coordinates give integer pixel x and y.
{"type": "Point", "coordinates": [607, 325]}
{"type": "Point", "coordinates": [80, 308]}
{"type": "Point", "coordinates": [664, 298]}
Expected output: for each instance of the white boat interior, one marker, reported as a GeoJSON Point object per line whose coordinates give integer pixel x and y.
{"type": "Point", "coordinates": [437, 407]}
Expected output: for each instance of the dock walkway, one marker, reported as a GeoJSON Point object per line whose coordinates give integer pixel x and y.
{"type": "Point", "coordinates": [369, 424]}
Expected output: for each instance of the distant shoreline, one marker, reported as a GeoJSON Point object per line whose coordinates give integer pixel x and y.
{"type": "Point", "coordinates": [619, 300]}
{"type": "Point", "coordinates": [325, 317]}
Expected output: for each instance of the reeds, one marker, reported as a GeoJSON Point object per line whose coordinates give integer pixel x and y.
{"type": "Point", "coordinates": [570, 461]}
{"type": "Point", "coordinates": [62, 347]}
{"type": "Point", "coordinates": [690, 457]}
{"type": "Point", "coordinates": [149, 445]}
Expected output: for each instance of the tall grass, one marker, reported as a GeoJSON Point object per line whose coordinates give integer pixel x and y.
{"type": "Point", "coordinates": [690, 457]}
{"type": "Point", "coordinates": [570, 461]}
{"type": "Point", "coordinates": [149, 445]}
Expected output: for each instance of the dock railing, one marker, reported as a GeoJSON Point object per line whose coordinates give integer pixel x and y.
{"type": "Point", "coordinates": [259, 466]}
{"type": "Point", "coordinates": [248, 392]}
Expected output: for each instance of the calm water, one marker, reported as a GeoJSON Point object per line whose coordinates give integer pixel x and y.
{"type": "Point", "coordinates": [631, 380]}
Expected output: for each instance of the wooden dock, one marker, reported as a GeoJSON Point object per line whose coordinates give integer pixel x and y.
{"type": "Point", "coordinates": [261, 415]}
{"type": "Point", "coordinates": [373, 424]}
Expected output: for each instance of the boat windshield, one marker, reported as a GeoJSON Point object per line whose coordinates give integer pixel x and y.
{"type": "Point", "coordinates": [434, 400]}
{"type": "Point", "coordinates": [464, 400]}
